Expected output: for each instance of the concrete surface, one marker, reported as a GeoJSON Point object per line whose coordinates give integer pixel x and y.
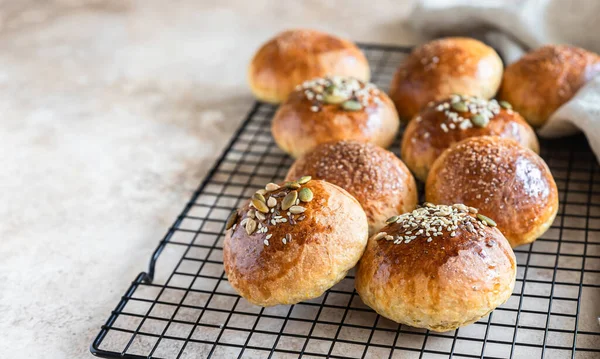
{"type": "Point", "coordinates": [112, 112]}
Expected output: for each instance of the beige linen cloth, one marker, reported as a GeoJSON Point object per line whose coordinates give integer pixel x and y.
{"type": "Point", "coordinates": [514, 27]}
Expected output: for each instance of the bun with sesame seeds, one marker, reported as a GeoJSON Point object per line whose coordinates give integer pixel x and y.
{"type": "Point", "coordinates": [504, 180]}
{"type": "Point", "coordinates": [292, 242]}
{"type": "Point", "coordinates": [295, 56]}
{"type": "Point", "coordinates": [438, 267]}
{"type": "Point", "coordinates": [546, 78]}
{"type": "Point", "coordinates": [375, 177]}
{"type": "Point", "coordinates": [454, 119]}
{"type": "Point", "coordinates": [332, 109]}
{"type": "Point", "coordinates": [444, 67]}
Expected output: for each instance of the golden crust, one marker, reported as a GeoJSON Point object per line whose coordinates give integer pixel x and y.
{"type": "Point", "coordinates": [439, 285]}
{"type": "Point", "coordinates": [323, 247]}
{"type": "Point", "coordinates": [297, 129]}
{"type": "Point", "coordinates": [544, 79]}
{"type": "Point", "coordinates": [295, 56]}
{"type": "Point", "coordinates": [503, 180]}
{"type": "Point", "coordinates": [424, 140]}
{"type": "Point", "coordinates": [441, 68]}
{"type": "Point", "coordinates": [375, 177]}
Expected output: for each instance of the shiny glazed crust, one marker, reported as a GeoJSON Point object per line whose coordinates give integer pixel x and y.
{"type": "Point", "coordinates": [295, 56]}
{"type": "Point", "coordinates": [504, 180]}
{"type": "Point", "coordinates": [443, 67]}
{"type": "Point", "coordinates": [297, 130]}
{"type": "Point", "coordinates": [375, 177]}
{"type": "Point", "coordinates": [546, 78]}
{"type": "Point", "coordinates": [323, 247]}
{"type": "Point", "coordinates": [438, 285]}
{"type": "Point", "coordinates": [424, 140]}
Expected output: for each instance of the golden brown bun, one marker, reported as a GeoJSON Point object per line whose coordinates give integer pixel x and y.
{"type": "Point", "coordinates": [374, 176]}
{"type": "Point", "coordinates": [452, 280]}
{"type": "Point", "coordinates": [295, 56]}
{"type": "Point", "coordinates": [318, 252]}
{"type": "Point", "coordinates": [546, 78]}
{"type": "Point", "coordinates": [439, 126]}
{"type": "Point", "coordinates": [300, 123]}
{"type": "Point", "coordinates": [444, 67]}
{"type": "Point", "coordinates": [503, 180]}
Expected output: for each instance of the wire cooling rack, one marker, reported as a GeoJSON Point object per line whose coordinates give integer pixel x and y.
{"type": "Point", "coordinates": [183, 307]}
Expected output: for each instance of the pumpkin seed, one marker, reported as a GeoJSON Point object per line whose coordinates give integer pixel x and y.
{"type": "Point", "coordinates": [251, 213]}
{"type": "Point", "coordinates": [329, 89]}
{"type": "Point", "coordinates": [292, 185]}
{"type": "Point", "coordinates": [505, 105]}
{"type": "Point", "coordinates": [231, 219]}
{"type": "Point", "coordinates": [305, 195]}
{"type": "Point", "coordinates": [391, 219]}
{"type": "Point", "coordinates": [352, 105]}
{"type": "Point", "coordinates": [460, 107]}
{"type": "Point", "coordinates": [270, 187]}
{"type": "Point", "coordinates": [379, 236]}
{"type": "Point", "coordinates": [334, 98]}
{"type": "Point", "coordinates": [262, 192]}
{"type": "Point", "coordinates": [260, 216]}
{"type": "Point", "coordinates": [297, 209]}
{"type": "Point", "coordinates": [259, 197]}
{"type": "Point", "coordinates": [272, 202]}
{"type": "Point", "coordinates": [260, 205]}
{"type": "Point", "coordinates": [250, 226]}
{"type": "Point", "coordinates": [480, 120]}
{"type": "Point", "coordinates": [304, 179]}
{"type": "Point", "coordinates": [289, 200]}
{"type": "Point", "coordinates": [487, 220]}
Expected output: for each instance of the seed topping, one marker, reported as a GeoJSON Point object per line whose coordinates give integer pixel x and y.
{"type": "Point", "coordinates": [349, 93]}
{"type": "Point", "coordinates": [430, 221]}
{"type": "Point", "coordinates": [457, 107]}
{"type": "Point", "coordinates": [281, 205]}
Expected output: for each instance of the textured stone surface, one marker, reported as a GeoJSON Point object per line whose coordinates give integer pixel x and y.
{"type": "Point", "coordinates": [112, 112]}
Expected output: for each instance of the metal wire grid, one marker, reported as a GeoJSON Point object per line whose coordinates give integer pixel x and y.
{"type": "Point", "coordinates": [189, 310]}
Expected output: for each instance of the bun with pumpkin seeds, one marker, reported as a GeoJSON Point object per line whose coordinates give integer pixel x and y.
{"type": "Point", "coordinates": [503, 179]}
{"type": "Point", "coordinates": [444, 123]}
{"type": "Point", "coordinates": [438, 267]}
{"type": "Point", "coordinates": [374, 176]}
{"type": "Point", "coordinates": [295, 56]}
{"type": "Point", "coordinates": [443, 67]}
{"type": "Point", "coordinates": [333, 109]}
{"type": "Point", "coordinates": [292, 241]}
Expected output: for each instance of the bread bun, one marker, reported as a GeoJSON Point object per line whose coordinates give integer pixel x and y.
{"type": "Point", "coordinates": [438, 268]}
{"type": "Point", "coordinates": [375, 177]}
{"type": "Point", "coordinates": [295, 56]}
{"type": "Point", "coordinates": [333, 109]}
{"type": "Point", "coordinates": [504, 180]}
{"type": "Point", "coordinates": [446, 122]}
{"type": "Point", "coordinates": [544, 79]}
{"type": "Point", "coordinates": [444, 67]}
{"type": "Point", "coordinates": [288, 255]}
